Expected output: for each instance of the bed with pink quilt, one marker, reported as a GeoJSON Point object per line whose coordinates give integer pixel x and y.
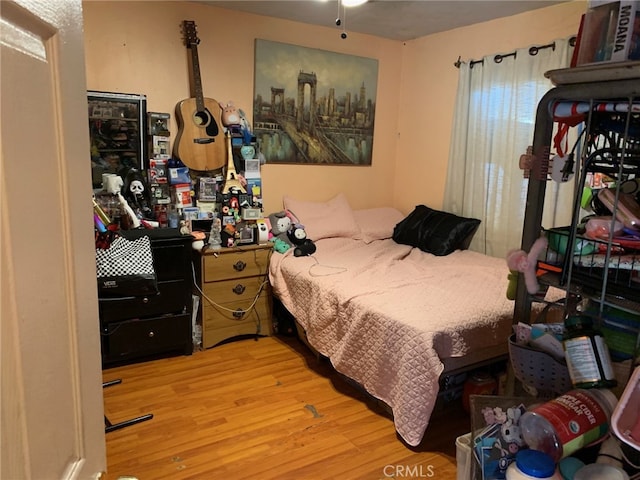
{"type": "Point", "coordinates": [391, 316]}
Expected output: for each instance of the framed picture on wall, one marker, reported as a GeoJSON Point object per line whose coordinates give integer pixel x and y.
{"type": "Point", "coordinates": [312, 106]}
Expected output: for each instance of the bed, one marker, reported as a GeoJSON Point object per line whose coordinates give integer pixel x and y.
{"type": "Point", "coordinates": [391, 316]}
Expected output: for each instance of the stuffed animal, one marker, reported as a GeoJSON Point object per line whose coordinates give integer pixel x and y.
{"type": "Point", "coordinates": [303, 246]}
{"type": "Point", "coordinates": [280, 245]}
{"type": "Point", "coordinates": [280, 224]}
{"type": "Point", "coordinates": [525, 263]}
{"type": "Point", "coordinates": [230, 114]}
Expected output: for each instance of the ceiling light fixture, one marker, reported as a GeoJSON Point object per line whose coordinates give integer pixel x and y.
{"type": "Point", "coordinates": [342, 21]}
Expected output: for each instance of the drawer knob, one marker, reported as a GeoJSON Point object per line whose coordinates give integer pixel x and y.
{"type": "Point", "coordinates": [239, 313]}
{"type": "Point", "coordinates": [239, 266]}
{"type": "Point", "coordinates": [145, 300]}
{"type": "Point", "coordinates": [239, 289]}
{"type": "Point", "coordinates": [151, 334]}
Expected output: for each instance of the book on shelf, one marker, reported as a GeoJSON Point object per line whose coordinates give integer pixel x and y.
{"type": "Point", "coordinates": [576, 49]}
{"type": "Point", "coordinates": [634, 44]}
{"type": "Point", "coordinates": [609, 32]}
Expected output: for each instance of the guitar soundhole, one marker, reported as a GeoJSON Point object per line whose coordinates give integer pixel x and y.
{"type": "Point", "coordinates": [201, 118]}
{"type": "Point", "coordinates": [206, 120]}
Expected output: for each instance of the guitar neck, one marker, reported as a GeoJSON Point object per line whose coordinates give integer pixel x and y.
{"type": "Point", "coordinates": [197, 83]}
{"type": "Point", "coordinates": [198, 117]}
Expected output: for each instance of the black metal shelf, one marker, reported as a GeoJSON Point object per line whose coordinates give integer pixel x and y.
{"type": "Point", "coordinates": [611, 146]}
{"type": "Point", "coordinates": [590, 290]}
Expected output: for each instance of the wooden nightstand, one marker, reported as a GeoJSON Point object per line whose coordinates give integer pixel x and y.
{"type": "Point", "coordinates": [237, 294]}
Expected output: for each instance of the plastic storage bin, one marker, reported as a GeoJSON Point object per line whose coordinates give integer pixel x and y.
{"type": "Point", "coordinates": [625, 421]}
{"type": "Point", "coordinates": [538, 369]}
{"type": "Point", "coordinates": [464, 457]}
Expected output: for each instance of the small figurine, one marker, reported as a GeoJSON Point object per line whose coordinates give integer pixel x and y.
{"type": "Point", "coordinates": [184, 228]}
{"type": "Point", "coordinates": [113, 185]}
{"type": "Point", "coordinates": [215, 240]}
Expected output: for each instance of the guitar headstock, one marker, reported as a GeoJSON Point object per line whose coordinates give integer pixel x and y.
{"type": "Point", "coordinates": [190, 32]}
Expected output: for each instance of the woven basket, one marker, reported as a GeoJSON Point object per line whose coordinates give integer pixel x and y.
{"type": "Point", "coordinates": [538, 369]}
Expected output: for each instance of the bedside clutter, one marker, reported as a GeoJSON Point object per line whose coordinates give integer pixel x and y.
{"type": "Point", "coordinates": [137, 327]}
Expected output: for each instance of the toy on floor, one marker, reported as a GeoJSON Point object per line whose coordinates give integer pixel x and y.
{"type": "Point", "coordinates": [520, 261]}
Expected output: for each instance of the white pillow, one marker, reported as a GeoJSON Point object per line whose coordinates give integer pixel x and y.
{"type": "Point", "coordinates": [377, 223]}
{"type": "Point", "coordinates": [324, 219]}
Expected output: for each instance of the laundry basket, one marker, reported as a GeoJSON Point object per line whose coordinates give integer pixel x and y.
{"type": "Point", "coordinates": [537, 369]}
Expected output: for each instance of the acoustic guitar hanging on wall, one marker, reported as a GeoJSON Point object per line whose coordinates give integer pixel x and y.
{"type": "Point", "coordinates": [200, 141]}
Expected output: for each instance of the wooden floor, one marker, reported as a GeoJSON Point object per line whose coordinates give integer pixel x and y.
{"type": "Point", "coordinates": [265, 409]}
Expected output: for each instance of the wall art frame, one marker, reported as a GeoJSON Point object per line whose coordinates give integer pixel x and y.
{"type": "Point", "coordinates": [313, 106]}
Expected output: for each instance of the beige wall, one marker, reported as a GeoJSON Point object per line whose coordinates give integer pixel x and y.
{"type": "Point", "coordinates": [429, 84]}
{"type": "Point", "coordinates": [136, 47]}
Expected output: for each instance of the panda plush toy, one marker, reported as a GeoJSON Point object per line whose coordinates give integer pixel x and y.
{"type": "Point", "coordinates": [302, 246]}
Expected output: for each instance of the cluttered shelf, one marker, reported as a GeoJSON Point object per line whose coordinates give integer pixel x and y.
{"type": "Point", "coordinates": [593, 259]}
{"type": "Point", "coordinates": [595, 72]}
{"type": "Point", "coordinates": [596, 267]}
{"type": "Point", "coordinates": [554, 279]}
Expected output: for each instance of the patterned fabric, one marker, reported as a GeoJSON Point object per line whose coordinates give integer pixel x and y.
{"type": "Point", "coordinates": [126, 268]}
{"type": "Point", "coordinates": [388, 315]}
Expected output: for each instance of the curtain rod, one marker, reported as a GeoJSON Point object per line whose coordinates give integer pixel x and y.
{"type": "Point", "coordinates": [499, 57]}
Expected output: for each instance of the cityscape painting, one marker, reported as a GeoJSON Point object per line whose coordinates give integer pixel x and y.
{"type": "Point", "coordinates": [312, 106]}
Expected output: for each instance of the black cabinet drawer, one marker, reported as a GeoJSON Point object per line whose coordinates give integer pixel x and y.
{"type": "Point", "coordinates": [173, 297]}
{"type": "Point", "coordinates": [171, 260]}
{"type": "Point", "coordinates": [138, 338]}
{"type": "Point", "coordinates": [138, 327]}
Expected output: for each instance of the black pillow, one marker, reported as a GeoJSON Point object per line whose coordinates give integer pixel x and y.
{"type": "Point", "coordinates": [434, 231]}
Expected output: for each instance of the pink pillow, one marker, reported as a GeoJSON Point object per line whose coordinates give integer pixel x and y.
{"type": "Point", "coordinates": [377, 223]}
{"type": "Point", "coordinates": [324, 220]}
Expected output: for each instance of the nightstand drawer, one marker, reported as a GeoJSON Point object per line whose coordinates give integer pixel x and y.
{"type": "Point", "coordinates": [235, 264]}
{"type": "Point", "coordinates": [220, 324]}
{"type": "Point", "coordinates": [237, 290]}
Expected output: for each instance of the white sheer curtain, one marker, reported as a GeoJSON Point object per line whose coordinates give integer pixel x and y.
{"type": "Point", "coordinates": [493, 125]}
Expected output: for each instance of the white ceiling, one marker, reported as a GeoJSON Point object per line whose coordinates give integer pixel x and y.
{"type": "Point", "coordinates": [393, 19]}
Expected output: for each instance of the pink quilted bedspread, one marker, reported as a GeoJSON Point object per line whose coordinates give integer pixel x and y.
{"type": "Point", "coordinates": [387, 314]}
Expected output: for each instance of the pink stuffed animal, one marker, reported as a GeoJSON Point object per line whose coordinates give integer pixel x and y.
{"type": "Point", "coordinates": [526, 263]}
{"type": "Point", "coordinates": [230, 114]}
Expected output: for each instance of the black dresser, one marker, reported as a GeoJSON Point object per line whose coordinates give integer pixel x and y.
{"type": "Point", "coordinates": [134, 328]}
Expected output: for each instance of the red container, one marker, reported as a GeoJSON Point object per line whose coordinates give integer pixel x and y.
{"type": "Point", "coordinates": [478, 384]}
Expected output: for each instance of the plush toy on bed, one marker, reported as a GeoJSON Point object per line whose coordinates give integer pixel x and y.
{"type": "Point", "coordinates": [526, 263]}
{"type": "Point", "coordinates": [280, 223]}
{"type": "Point", "coordinates": [303, 246]}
